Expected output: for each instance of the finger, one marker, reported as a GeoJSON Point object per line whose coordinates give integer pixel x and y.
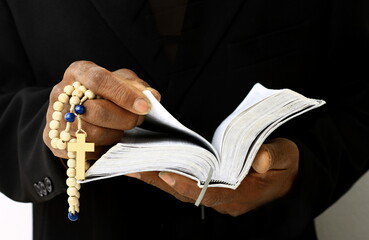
{"type": "Point", "coordinates": [184, 186]}
{"type": "Point", "coordinates": [152, 178]}
{"type": "Point", "coordinates": [101, 136]}
{"type": "Point", "coordinates": [106, 114]}
{"type": "Point", "coordinates": [278, 154]}
{"type": "Point", "coordinates": [188, 188]}
{"type": "Point", "coordinates": [106, 84]}
{"type": "Point", "coordinates": [136, 81]}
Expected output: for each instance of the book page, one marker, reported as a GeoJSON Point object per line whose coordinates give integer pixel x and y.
{"type": "Point", "coordinates": [256, 94]}
{"type": "Point", "coordinates": [159, 115]}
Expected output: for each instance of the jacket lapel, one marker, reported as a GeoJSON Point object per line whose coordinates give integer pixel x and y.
{"type": "Point", "coordinates": [131, 23]}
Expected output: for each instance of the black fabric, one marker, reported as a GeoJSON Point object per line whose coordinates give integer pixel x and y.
{"type": "Point", "coordinates": [316, 47]}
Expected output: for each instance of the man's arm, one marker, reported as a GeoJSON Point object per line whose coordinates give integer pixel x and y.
{"type": "Point", "coordinates": [25, 159]}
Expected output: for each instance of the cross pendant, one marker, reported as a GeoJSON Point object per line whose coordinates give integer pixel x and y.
{"type": "Point", "coordinates": [81, 147]}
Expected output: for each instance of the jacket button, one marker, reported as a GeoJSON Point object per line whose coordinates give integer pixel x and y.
{"type": "Point", "coordinates": [38, 190]}
{"type": "Point", "coordinates": [42, 188]}
{"type": "Point", "coordinates": [48, 184]}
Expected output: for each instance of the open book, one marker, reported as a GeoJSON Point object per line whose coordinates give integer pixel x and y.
{"type": "Point", "coordinates": [222, 163]}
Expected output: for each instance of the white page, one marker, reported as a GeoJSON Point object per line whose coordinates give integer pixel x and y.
{"type": "Point", "coordinates": [257, 94]}
{"type": "Point", "coordinates": [160, 115]}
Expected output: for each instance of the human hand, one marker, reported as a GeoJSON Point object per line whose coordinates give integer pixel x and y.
{"type": "Point", "coordinates": [274, 171]}
{"type": "Point", "coordinates": [122, 106]}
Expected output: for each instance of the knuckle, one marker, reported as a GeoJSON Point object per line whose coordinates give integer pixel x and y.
{"type": "Point", "coordinates": [151, 181]}
{"type": "Point", "coordinates": [184, 191]}
{"type": "Point", "coordinates": [209, 202]}
{"type": "Point", "coordinates": [127, 73]}
{"type": "Point", "coordinates": [230, 209]}
{"type": "Point", "coordinates": [234, 210]}
{"type": "Point", "coordinates": [220, 210]}
{"type": "Point", "coordinates": [182, 198]}
{"type": "Point", "coordinates": [94, 133]}
{"type": "Point", "coordinates": [233, 213]}
{"type": "Point", "coordinates": [81, 65]}
{"type": "Point", "coordinates": [96, 77]}
{"type": "Point", "coordinates": [76, 69]}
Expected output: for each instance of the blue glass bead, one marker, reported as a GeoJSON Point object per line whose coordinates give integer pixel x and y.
{"type": "Point", "coordinates": [79, 109]}
{"type": "Point", "coordinates": [73, 217]}
{"type": "Point", "coordinates": [69, 117]}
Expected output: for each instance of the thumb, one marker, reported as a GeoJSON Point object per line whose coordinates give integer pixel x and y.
{"type": "Point", "coordinates": [279, 153]}
{"type": "Point", "coordinates": [263, 160]}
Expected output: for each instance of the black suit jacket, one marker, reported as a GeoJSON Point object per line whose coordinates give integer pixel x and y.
{"type": "Point", "coordinates": [316, 47]}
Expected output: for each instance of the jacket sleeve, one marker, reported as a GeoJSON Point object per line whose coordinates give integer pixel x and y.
{"type": "Point", "coordinates": [334, 139]}
{"type": "Point", "coordinates": [28, 170]}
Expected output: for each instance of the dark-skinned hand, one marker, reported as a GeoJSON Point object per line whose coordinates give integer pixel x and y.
{"type": "Point", "coordinates": [122, 107]}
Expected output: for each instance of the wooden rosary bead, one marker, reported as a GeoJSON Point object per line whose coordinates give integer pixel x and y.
{"type": "Point", "coordinates": [72, 191]}
{"type": "Point", "coordinates": [76, 207]}
{"type": "Point", "coordinates": [71, 182]}
{"type": "Point", "coordinates": [82, 88]}
{"type": "Point", "coordinates": [71, 155]}
{"type": "Point", "coordinates": [76, 85]}
{"type": "Point", "coordinates": [71, 172]}
{"type": "Point", "coordinates": [71, 209]}
{"type": "Point", "coordinates": [53, 134]}
{"type": "Point", "coordinates": [65, 136]}
{"type": "Point", "coordinates": [61, 144]}
{"type": "Point", "coordinates": [54, 142]}
{"type": "Point", "coordinates": [58, 106]}
{"type": "Point", "coordinates": [89, 94]}
{"type": "Point", "coordinates": [54, 124]}
{"type": "Point", "coordinates": [72, 200]}
{"type": "Point", "coordinates": [71, 163]}
{"type": "Point", "coordinates": [63, 98]}
{"type": "Point", "coordinates": [78, 195]}
{"type": "Point", "coordinates": [77, 93]}
{"type": "Point", "coordinates": [57, 115]}
{"type": "Point", "coordinates": [74, 100]}
{"type": "Point", "coordinates": [68, 89]}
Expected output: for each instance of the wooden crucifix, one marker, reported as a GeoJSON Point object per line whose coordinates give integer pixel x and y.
{"type": "Point", "coordinates": [81, 147]}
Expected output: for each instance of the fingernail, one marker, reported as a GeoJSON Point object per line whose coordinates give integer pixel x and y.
{"type": "Point", "coordinates": [167, 178]}
{"type": "Point", "coordinates": [262, 162]}
{"type": "Point", "coordinates": [141, 106]}
{"type": "Point", "coordinates": [134, 175]}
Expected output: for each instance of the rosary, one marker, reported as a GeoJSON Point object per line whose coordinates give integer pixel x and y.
{"type": "Point", "coordinates": [75, 94]}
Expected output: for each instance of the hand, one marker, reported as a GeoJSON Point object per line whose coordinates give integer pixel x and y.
{"type": "Point", "coordinates": [121, 108]}
{"type": "Point", "coordinates": [274, 170]}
